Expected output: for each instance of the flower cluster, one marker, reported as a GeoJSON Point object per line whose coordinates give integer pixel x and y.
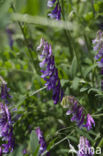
{"type": "Point", "coordinates": [77, 112]}
{"type": "Point", "coordinates": [84, 147]}
{"type": "Point", "coordinates": [56, 12]}
{"type": "Point", "coordinates": [50, 72]}
{"type": "Point", "coordinates": [41, 141]}
{"type": "Point", "coordinates": [98, 47]}
{"type": "Point", "coordinates": [6, 130]}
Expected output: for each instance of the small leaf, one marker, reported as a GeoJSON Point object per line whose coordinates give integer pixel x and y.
{"type": "Point", "coordinates": [63, 82]}
{"type": "Point", "coordinates": [94, 90]}
{"type": "Point", "coordinates": [89, 69]}
{"type": "Point", "coordinates": [75, 83]}
{"type": "Point", "coordinates": [73, 68]}
{"type": "Point", "coordinates": [36, 151]}
{"type": "Point", "coordinates": [100, 143]}
{"type": "Point", "coordinates": [72, 138]}
{"type": "Point", "coordinates": [83, 89]}
{"type": "Point", "coordinates": [34, 143]}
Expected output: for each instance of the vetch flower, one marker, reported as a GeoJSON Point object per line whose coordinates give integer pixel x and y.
{"type": "Point", "coordinates": [90, 122]}
{"type": "Point", "coordinates": [41, 141]}
{"type": "Point", "coordinates": [84, 147]}
{"type": "Point", "coordinates": [98, 48]}
{"type": "Point", "coordinates": [51, 3]}
{"type": "Point", "coordinates": [77, 112]}
{"type": "Point", "coordinates": [56, 12]}
{"type": "Point", "coordinates": [49, 71]}
{"type": "Point", "coordinates": [6, 129]}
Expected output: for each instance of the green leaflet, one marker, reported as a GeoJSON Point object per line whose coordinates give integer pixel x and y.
{"type": "Point", "coordinates": [73, 68]}
{"type": "Point", "coordinates": [34, 143]}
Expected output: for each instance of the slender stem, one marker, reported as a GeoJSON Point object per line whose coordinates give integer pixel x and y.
{"type": "Point", "coordinates": [67, 33]}
{"type": "Point", "coordinates": [97, 115]}
{"type": "Point", "coordinates": [26, 41]}
{"type": "Point", "coordinates": [18, 70]}
{"type": "Point", "coordinates": [64, 129]}
{"type": "Point", "coordinates": [92, 2]}
{"type": "Point", "coordinates": [73, 50]}
{"type": "Point", "coordinates": [35, 92]}
{"type": "Point", "coordinates": [66, 138]}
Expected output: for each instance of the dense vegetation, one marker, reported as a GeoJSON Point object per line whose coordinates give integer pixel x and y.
{"type": "Point", "coordinates": [72, 35]}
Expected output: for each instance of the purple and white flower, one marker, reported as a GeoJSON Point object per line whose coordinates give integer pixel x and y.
{"type": "Point", "coordinates": [90, 122]}
{"type": "Point", "coordinates": [49, 71]}
{"type": "Point", "coordinates": [77, 112]}
{"type": "Point", "coordinates": [98, 47]}
{"type": "Point", "coordinates": [56, 12]}
{"type": "Point", "coordinates": [41, 141]}
{"type": "Point", "coordinates": [6, 129]}
{"type": "Point", "coordinates": [51, 3]}
{"type": "Point", "coordinates": [84, 147]}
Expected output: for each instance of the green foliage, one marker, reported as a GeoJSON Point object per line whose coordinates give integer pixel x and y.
{"type": "Point", "coordinates": [71, 41]}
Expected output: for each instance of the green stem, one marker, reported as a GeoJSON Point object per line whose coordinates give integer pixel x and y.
{"type": "Point", "coordinates": [66, 138]}
{"type": "Point", "coordinates": [26, 41]}
{"type": "Point", "coordinates": [67, 33]}
{"type": "Point", "coordinates": [35, 92]}
{"type": "Point", "coordinates": [70, 40]}
{"type": "Point", "coordinates": [97, 115]}
{"type": "Point", "coordinates": [64, 129]}
{"type": "Point", "coordinates": [92, 3]}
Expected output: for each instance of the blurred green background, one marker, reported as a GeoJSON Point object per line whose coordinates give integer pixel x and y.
{"type": "Point", "coordinates": [74, 57]}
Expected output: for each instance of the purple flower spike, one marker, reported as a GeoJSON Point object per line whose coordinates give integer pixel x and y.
{"type": "Point", "coordinates": [90, 122]}
{"type": "Point", "coordinates": [77, 112]}
{"type": "Point", "coordinates": [84, 147]}
{"type": "Point", "coordinates": [98, 47]}
{"type": "Point", "coordinates": [6, 130]}
{"type": "Point", "coordinates": [56, 12]}
{"type": "Point", "coordinates": [41, 141]}
{"type": "Point", "coordinates": [5, 92]}
{"type": "Point", "coordinates": [49, 71]}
